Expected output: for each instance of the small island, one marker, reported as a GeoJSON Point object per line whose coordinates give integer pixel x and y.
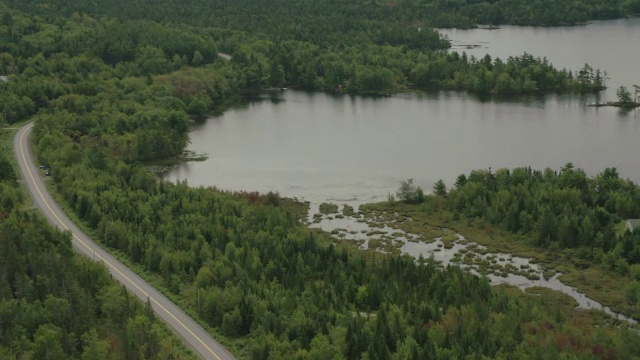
{"type": "Point", "coordinates": [624, 99]}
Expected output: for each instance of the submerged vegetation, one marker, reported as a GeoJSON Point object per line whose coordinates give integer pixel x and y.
{"type": "Point", "coordinates": [109, 90]}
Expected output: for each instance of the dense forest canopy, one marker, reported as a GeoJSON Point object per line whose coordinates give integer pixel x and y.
{"type": "Point", "coordinates": [55, 304]}
{"type": "Point", "coordinates": [82, 43]}
{"type": "Point", "coordinates": [555, 210]}
{"type": "Point", "coordinates": [112, 86]}
{"type": "Point", "coordinates": [318, 20]}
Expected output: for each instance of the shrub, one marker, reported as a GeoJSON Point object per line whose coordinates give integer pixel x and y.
{"type": "Point", "coordinates": [410, 193]}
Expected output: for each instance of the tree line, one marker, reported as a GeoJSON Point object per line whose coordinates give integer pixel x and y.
{"type": "Point", "coordinates": [563, 208]}
{"type": "Point", "coordinates": [297, 19]}
{"type": "Point", "coordinates": [141, 47]}
{"type": "Point", "coordinates": [555, 210]}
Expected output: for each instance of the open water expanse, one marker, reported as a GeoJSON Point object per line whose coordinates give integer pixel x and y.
{"type": "Point", "coordinates": [319, 147]}
{"type": "Point", "coordinates": [343, 149]}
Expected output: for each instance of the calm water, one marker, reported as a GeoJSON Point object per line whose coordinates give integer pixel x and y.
{"type": "Point", "coordinates": [322, 147]}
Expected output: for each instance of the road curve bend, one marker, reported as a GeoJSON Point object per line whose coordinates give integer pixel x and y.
{"type": "Point", "coordinates": [194, 336]}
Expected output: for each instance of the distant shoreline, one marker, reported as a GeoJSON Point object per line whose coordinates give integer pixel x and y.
{"type": "Point", "coordinates": [624, 105]}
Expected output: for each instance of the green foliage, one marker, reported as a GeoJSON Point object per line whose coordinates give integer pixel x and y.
{"type": "Point", "coordinates": [564, 209]}
{"type": "Point", "coordinates": [328, 208]}
{"type": "Point", "coordinates": [252, 272]}
{"type": "Point", "coordinates": [55, 304]}
{"type": "Point", "coordinates": [633, 6]}
{"type": "Point", "coordinates": [197, 58]}
{"type": "Point", "coordinates": [6, 170]}
{"type": "Point", "coordinates": [410, 193]}
{"type": "Point", "coordinates": [626, 99]}
{"type": "Point", "coordinates": [368, 49]}
{"type": "Point", "coordinates": [109, 90]}
{"type": "Point", "coordinates": [624, 96]}
{"type": "Point", "coordinates": [331, 18]}
{"type": "Point", "coordinates": [439, 188]}
{"type": "Point", "coordinates": [198, 106]}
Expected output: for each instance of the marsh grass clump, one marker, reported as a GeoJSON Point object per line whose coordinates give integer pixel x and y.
{"type": "Point", "coordinates": [548, 274]}
{"type": "Point", "coordinates": [347, 210]}
{"type": "Point", "coordinates": [467, 260]}
{"type": "Point", "coordinates": [553, 298]}
{"type": "Point", "coordinates": [494, 267]}
{"type": "Point", "coordinates": [328, 208]}
{"type": "Point", "coordinates": [374, 244]}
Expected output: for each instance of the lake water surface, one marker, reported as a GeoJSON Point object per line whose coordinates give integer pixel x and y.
{"type": "Point", "coordinates": [319, 146]}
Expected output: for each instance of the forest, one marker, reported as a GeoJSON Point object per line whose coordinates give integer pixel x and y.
{"type": "Point", "coordinates": [563, 209]}
{"type": "Point", "coordinates": [55, 304]}
{"type": "Point", "coordinates": [299, 19]}
{"type": "Point", "coordinates": [563, 214]}
{"type": "Point", "coordinates": [362, 59]}
{"type": "Point", "coordinates": [109, 90]}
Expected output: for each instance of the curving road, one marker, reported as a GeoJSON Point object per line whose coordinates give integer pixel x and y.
{"type": "Point", "coordinates": [194, 336]}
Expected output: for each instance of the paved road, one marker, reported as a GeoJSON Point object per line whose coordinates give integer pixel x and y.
{"type": "Point", "coordinates": [193, 334]}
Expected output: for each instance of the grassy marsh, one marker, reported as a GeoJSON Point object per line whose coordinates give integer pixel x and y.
{"type": "Point", "coordinates": [599, 284]}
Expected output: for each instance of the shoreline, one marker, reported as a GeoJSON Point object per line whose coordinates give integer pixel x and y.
{"type": "Point", "coordinates": [617, 104]}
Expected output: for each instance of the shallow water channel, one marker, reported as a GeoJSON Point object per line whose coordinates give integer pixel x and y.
{"type": "Point", "coordinates": [497, 267]}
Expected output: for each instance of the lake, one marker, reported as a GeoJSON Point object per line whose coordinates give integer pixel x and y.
{"type": "Point", "coordinates": [324, 147]}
